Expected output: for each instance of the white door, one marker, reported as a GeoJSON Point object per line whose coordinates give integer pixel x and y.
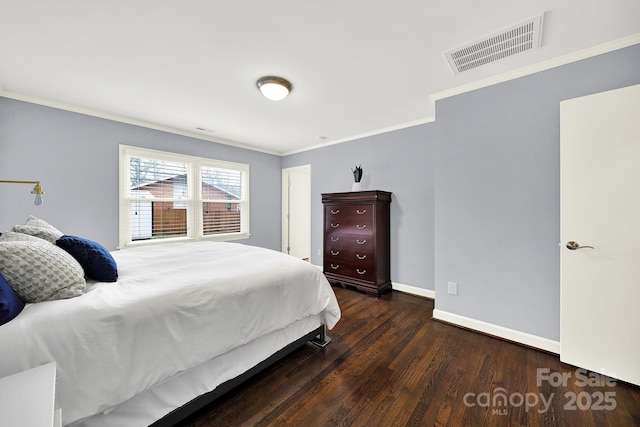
{"type": "Point", "coordinates": [600, 207]}
{"type": "Point", "coordinates": [296, 211]}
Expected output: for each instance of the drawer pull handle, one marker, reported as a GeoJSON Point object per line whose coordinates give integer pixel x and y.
{"type": "Point", "coordinates": [361, 212]}
{"type": "Point", "coordinates": [334, 239]}
{"type": "Point", "coordinates": [335, 252]}
{"type": "Point", "coordinates": [335, 267]}
{"type": "Point", "coordinates": [361, 256]}
{"type": "Point", "coordinates": [361, 242]}
{"type": "Point", "coordinates": [335, 211]}
{"type": "Point", "coordinates": [361, 227]}
{"type": "Point", "coordinates": [335, 225]}
{"type": "Point", "coordinates": [360, 271]}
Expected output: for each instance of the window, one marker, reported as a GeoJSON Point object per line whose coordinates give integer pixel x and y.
{"type": "Point", "coordinates": [167, 197]}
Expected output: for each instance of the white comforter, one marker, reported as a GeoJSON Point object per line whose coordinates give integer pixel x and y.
{"type": "Point", "coordinates": [173, 307]}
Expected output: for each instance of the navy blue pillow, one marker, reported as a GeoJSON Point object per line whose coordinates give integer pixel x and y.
{"type": "Point", "coordinates": [96, 261]}
{"type": "Point", "coordinates": [10, 303]}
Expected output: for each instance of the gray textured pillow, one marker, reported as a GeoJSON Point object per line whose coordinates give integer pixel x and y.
{"type": "Point", "coordinates": [40, 271]}
{"type": "Point", "coordinates": [43, 233]}
{"type": "Point", "coordinates": [39, 228]}
{"type": "Point", "coordinates": [32, 221]}
{"type": "Point", "coordinates": [13, 236]}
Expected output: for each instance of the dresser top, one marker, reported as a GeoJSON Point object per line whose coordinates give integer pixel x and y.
{"type": "Point", "coordinates": [357, 196]}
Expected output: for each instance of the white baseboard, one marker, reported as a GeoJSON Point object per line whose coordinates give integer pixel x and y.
{"type": "Point", "coordinates": [478, 325]}
{"type": "Point", "coordinates": [499, 331]}
{"type": "Point", "coordinates": [421, 292]}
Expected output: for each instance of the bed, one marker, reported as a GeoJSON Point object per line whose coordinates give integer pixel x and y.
{"type": "Point", "coordinates": [182, 324]}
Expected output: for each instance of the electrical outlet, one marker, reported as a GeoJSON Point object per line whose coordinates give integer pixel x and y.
{"type": "Point", "coordinates": [319, 252]}
{"type": "Point", "coordinates": [452, 288]}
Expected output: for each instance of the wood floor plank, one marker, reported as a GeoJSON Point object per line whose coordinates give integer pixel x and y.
{"type": "Point", "coordinates": [390, 364]}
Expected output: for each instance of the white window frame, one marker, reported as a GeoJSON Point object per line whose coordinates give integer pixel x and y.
{"type": "Point", "coordinates": [194, 200]}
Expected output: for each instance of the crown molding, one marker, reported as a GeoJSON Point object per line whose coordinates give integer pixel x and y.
{"type": "Point", "coordinates": [363, 135]}
{"type": "Point", "coordinates": [130, 121]}
{"type": "Point", "coordinates": [168, 129]}
{"type": "Point", "coordinates": [525, 71]}
{"type": "Point", "coordinates": [540, 66]}
{"type": "Point", "coordinates": [501, 78]}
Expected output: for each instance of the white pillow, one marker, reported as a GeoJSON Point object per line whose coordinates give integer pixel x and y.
{"type": "Point", "coordinates": [40, 271]}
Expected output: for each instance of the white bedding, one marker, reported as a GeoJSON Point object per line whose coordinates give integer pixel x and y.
{"type": "Point", "coordinates": [145, 408]}
{"type": "Point", "coordinates": [174, 307]}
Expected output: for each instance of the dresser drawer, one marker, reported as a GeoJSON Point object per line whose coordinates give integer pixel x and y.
{"type": "Point", "coordinates": [362, 257]}
{"type": "Point", "coordinates": [350, 227]}
{"type": "Point", "coordinates": [337, 240]}
{"type": "Point", "coordinates": [356, 217]}
{"type": "Point", "coordinates": [347, 269]}
{"type": "Point", "coordinates": [362, 211]}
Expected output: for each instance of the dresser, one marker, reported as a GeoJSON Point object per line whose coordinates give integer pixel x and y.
{"type": "Point", "coordinates": [357, 240]}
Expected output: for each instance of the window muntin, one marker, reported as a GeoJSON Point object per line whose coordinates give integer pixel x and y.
{"type": "Point", "coordinates": [166, 196]}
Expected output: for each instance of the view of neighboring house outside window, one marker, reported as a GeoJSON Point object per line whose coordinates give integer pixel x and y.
{"type": "Point", "coordinates": [167, 197]}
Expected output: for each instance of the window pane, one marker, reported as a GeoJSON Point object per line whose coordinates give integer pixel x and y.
{"type": "Point", "coordinates": [221, 194]}
{"type": "Point", "coordinates": [152, 180]}
{"type": "Point", "coordinates": [141, 220]}
{"type": "Point", "coordinates": [168, 221]}
{"type": "Point", "coordinates": [157, 179]}
{"type": "Point", "coordinates": [221, 184]}
{"type": "Point", "coordinates": [220, 218]}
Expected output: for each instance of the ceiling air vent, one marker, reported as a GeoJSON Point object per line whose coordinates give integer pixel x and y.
{"type": "Point", "coordinates": [509, 42]}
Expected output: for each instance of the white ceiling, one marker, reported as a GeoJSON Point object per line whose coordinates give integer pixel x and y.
{"type": "Point", "coordinates": [357, 67]}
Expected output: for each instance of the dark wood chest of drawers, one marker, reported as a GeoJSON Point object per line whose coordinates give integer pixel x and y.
{"type": "Point", "coordinates": [357, 240]}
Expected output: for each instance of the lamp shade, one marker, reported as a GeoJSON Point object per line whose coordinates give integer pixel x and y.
{"type": "Point", "coordinates": [274, 88]}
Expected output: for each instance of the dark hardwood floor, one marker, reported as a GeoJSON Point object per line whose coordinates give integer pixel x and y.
{"type": "Point", "coordinates": [390, 364]}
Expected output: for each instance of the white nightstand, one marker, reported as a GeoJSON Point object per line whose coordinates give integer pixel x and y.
{"type": "Point", "coordinates": [27, 399]}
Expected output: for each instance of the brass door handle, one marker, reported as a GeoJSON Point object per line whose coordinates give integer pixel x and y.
{"type": "Point", "coordinates": [575, 245]}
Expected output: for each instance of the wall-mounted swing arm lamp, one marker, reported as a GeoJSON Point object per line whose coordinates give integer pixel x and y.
{"type": "Point", "coordinates": [37, 190]}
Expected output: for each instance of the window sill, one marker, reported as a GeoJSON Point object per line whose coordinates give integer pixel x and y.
{"type": "Point", "coordinates": [214, 238]}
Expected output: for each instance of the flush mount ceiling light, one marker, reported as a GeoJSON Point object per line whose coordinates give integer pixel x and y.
{"type": "Point", "coordinates": [274, 88]}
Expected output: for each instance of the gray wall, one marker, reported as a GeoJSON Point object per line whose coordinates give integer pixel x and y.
{"type": "Point", "coordinates": [400, 162]}
{"type": "Point", "coordinates": [76, 158]}
{"type": "Point", "coordinates": [476, 193]}
{"type": "Point", "coordinates": [497, 177]}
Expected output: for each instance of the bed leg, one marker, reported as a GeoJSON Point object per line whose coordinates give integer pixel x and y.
{"type": "Point", "coordinates": [321, 339]}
